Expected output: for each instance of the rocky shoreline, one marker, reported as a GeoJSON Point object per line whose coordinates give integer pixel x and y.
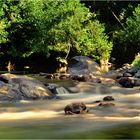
{"type": "Point", "coordinates": [15, 88]}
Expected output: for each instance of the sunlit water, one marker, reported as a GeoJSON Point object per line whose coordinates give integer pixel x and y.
{"type": "Point", "coordinates": [46, 118]}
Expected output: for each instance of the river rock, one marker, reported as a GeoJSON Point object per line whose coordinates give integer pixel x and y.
{"type": "Point", "coordinates": [126, 74]}
{"type": "Point", "coordinates": [136, 81]}
{"type": "Point", "coordinates": [124, 68]}
{"type": "Point", "coordinates": [81, 65]}
{"type": "Point", "coordinates": [75, 108]}
{"type": "Point", "coordinates": [46, 75]}
{"type": "Point", "coordinates": [56, 76]}
{"type": "Point", "coordinates": [132, 70]}
{"type": "Point", "coordinates": [49, 76]}
{"type": "Point", "coordinates": [119, 75]}
{"type": "Point", "coordinates": [9, 93]}
{"type": "Point", "coordinates": [64, 76]}
{"type": "Point", "coordinates": [61, 90]}
{"type": "Point", "coordinates": [55, 89]}
{"type": "Point", "coordinates": [126, 82]}
{"type": "Point", "coordinates": [34, 89]}
{"type": "Point", "coordinates": [79, 78]}
{"type": "Point", "coordinates": [52, 88]}
{"type": "Point", "coordinates": [14, 95]}
{"type": "Point", "coordinates": [108, 98]}
{"type": "Point", "coordinates": [137, 75]}
{"type": "Point", "coordinates": [92, 78]}
{"type": "Point", "coordinates": [108, 81]}
{"type": "Point", "coordinates": [23, 87]}
{"type": "Point", "coordinates": [2, 83]}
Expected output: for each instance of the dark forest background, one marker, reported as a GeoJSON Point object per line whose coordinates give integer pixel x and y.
{"type": "Point", "coordinates": [36, 33]}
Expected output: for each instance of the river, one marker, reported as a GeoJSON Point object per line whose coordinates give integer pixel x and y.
{"type": "Point", "coordinates": [45, 119]}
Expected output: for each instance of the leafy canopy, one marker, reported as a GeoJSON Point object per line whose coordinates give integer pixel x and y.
{"type": "Point", "coordinates": [128, 39]}
{"type": "Point", "coordinates": [65, 26]}
{"type": "Point", "coordinates": [29, 26]}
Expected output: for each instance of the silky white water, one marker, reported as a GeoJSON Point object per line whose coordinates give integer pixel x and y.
{"type": "Point", "coordinates": [46, 118]}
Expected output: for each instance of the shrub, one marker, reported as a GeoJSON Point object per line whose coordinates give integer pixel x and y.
{"type": "Point", "coordinates": [136, 61]}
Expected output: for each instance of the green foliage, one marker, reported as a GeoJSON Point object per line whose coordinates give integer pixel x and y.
{"type": "Point", "coordinates": [4, 24]}
{"type": "Point", "coordinates": [33, 26]}
{"type": "Point", "coordinates": [131, 33]}
{"type": "Point", "coordinates": [65, 26]}
{"type": "Point", "coordinates": [127, 40]}
{"type": "Point", "coordinates": [136, 61]}
{"type": "Point", "coordinates": [102, 48]}
{"type": "Point", "coordinates": [16, 28]}
{"type": "Point", "coordinates": [10, 26]}
{"type": "Point", "coordinates": [133, 27]}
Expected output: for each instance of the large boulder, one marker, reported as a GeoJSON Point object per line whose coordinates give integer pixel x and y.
{"type": "Point", "coordinates": [23, 87]}
{"type": "Point", "coordinates": [83, 65]}
{"type": "Point", "coordinates": [33, 89]}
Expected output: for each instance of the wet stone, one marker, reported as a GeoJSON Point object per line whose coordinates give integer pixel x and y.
{"type": "Point", "coordinates": [79, 78]}
{"type": "Point", "coordinates": [127, 74]}
{"type": "Point", "coordinates": [126, 82]}
{"type": "Point", "coordinates": [75, 108]}
{"type": "Point", "coordinates": [137, 75]}
{"type": "Point", "coordinates": [97, 101]}
{"type": "Point", "coordinates": [132, 70]}
{"type": "Point", "coordinates": [108, 98]}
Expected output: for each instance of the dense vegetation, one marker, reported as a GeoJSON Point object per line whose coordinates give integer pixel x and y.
{"type": "Point", "coordinates": [98, 29]}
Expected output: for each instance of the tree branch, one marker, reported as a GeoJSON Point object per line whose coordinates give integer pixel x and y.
{"type": "Point", "coordinates": [116, 17]}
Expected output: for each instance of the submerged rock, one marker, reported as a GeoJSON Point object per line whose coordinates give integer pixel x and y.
{"type": "Point", "coordinates": [73, 89]}
{"type": "Point", "coordinates": [75, 108]}
{"type": "Point", "coordinates": [106, 104]}
{"type": "Point", "coordinates": [49, 76]}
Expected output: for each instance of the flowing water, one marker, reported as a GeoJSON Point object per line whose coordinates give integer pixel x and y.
{"type": "Point", "coordinates": [46, 119]}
